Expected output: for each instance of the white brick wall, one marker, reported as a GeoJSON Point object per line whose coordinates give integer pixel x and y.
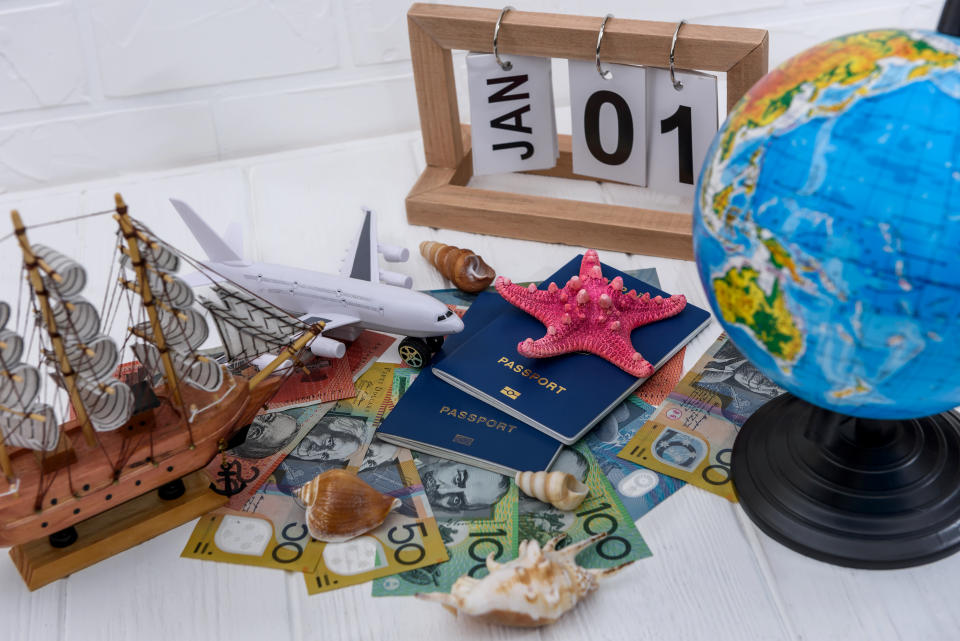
{"type": "Point", "coordinates": [90, 88]}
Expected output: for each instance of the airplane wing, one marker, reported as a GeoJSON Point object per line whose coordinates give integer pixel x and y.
{"type": "Point", "coordinates": [200, 279]}
{"type": "Point", "coordinates": [331, 321]}
{"type": "Point", "coordinates": [361, 259]}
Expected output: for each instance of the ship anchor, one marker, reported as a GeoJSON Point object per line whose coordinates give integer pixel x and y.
{"type": "Point", "coordinates": [233, 480]}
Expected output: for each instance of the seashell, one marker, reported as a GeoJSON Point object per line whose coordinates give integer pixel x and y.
{"type": "Point", "coordinates": [534, 589]}
{"type": "Point", "coordinates": [341, 506]}
{"type": "Point", "coordinates": [461, 266]}
{"type": "Point", "coordinates": [561, 490]}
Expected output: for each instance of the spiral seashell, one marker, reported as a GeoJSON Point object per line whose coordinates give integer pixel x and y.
{"type": "Point", "coordinates": [534, 589]}
{"type": "Point", "coordinates": [341, 506]}
{"type": "Point", "coordinates": [465, 269]}
{"type": "Point", "coordinates": [561, 490]}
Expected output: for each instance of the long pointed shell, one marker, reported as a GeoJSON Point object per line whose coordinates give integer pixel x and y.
{"type": "Point", "coordinates": [534, 589]}
{"type": "Point", "coordinates": [341, 506]}
{"type": "Point", "coordinates": [561, 490]}
{"type": "Point", "coordinates": [461, 266]}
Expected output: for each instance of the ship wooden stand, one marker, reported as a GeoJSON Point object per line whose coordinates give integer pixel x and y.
{"type": "Point", "coordinates": [128, 464]}
{"type": "Point", "coordinates": [111, 532]}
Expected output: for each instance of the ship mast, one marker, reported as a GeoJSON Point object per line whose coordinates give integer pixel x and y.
{"type": "Point", "coordinates": [69, 375]}
{"type": "Point", "coordinates": [149, 301]}
{"type": "Point", "coordinates": [5, 463]}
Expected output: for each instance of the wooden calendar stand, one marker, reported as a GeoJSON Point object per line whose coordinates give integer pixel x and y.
{"type": "Point", "coordinates": [441, 198]}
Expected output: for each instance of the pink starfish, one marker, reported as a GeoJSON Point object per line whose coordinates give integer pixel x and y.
{"type": "Point", "coordinates": [590, 314]}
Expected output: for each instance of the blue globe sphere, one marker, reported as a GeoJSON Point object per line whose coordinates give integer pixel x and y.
{"type": "Point", "coordinates": [827, 224]}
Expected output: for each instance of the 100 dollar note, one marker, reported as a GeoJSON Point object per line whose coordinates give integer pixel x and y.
{"type": "Point", "coordinates": [691, 435]}
{"type": "Point", "coordinates": [600, 513]}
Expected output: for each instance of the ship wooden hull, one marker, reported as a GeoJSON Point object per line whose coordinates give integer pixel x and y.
{"type": "Point", "coordinates": [146, 456]}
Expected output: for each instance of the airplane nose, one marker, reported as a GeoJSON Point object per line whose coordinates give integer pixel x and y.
{"type": "Point", "coordinates": [456, 324]}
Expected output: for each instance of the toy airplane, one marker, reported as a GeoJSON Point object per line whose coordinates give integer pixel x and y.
{"type": "Point", "coordinates": [349, 303]}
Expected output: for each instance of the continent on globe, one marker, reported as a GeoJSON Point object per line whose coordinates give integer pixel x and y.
{"type": "Point", "coordinates": [742, 300]}
{"type": "Point", "coordinates": [825, 224]}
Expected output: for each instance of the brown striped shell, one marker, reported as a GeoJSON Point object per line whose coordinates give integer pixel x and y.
{"type": "Point", "coordinates": [561, 490]}
{"type": "Point", "coordinates": [341, 506]}
{"type": "Point", "coordinates": [462, 267]}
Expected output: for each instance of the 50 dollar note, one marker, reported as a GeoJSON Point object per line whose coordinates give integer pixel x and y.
{"type": "Point", "coordinates": [478, 520]}
{"type": "Point", "coordinates": [272, 532]}
{"type": "Point", "coordinates": [690, 437]}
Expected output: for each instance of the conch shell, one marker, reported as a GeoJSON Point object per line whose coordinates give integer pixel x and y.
{"type": "Point", "coordinates": [341, 506]}
{"type": "Point", "coordinates": [465, 269]}
{"type": "Point", "coordinates": [561, 490]}
{"type": "Point", "coordinates": [534, 589]}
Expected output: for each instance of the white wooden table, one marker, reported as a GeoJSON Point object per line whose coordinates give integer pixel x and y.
{"type": "Point", "coordinates": [713, 575]}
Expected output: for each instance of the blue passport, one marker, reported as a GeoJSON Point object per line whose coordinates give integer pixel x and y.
{"type": "Point", "coordinates": [563, 396]}
{"type": "Point", "coordinates": [438, 419]}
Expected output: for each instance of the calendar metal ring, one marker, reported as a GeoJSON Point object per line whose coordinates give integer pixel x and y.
{"type": "Point", "coordinates": [677, 84]}
{"type": "Point", "coordinates": [506, 65]}
{"type": "Point", "coordinates": [605, 74]}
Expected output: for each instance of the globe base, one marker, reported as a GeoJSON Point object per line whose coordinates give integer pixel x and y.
{"type": "Point", "coordinates": [861, 493]}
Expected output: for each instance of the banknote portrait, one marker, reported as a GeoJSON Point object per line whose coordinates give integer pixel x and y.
{"type": "Point", "coordinates": [378, 453]}
{"type": "Point", "coordinates": [328, 445]}
{"type": "Point", "coordinates": [267, 435]}
{"type": "Point", "coordinates": [458, 490]}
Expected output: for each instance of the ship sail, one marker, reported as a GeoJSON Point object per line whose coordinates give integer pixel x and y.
{"type": "Point", "coordinates": [79, 318]}
{"type": "Point", "coordinates": [96, 359]}
{"type": "Point", "coordinates": [198, 371]}
{"type": "Point", "coordinates": [72, 274]}
{"type": "Point", "coordinates": [23, 422]}
{"type": "Point", "coordinates": [11, 346]}
{"type": "Point", "coordinates": [184, 329]}
{"type": "Point", "coordinates": [249, 327]}
{"type": "Point", "coordinates": [34, 429]}
{"type": "Point", "coordinates": [109, 405]}
{"type": "Point", "coordinates": [92, 355]}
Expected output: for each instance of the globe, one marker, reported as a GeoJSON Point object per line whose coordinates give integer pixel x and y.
{"type": "Point", "coordinates": [827, 224]}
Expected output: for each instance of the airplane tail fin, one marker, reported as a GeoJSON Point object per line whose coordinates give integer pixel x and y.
{"type": "Point", "coordinates": [216, 247]}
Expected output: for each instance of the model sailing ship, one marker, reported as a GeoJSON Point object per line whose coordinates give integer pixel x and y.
{"type": "Point", "coordinates": [122, 439]}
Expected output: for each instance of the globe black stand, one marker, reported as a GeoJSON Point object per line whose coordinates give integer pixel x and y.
{"type": "Point", "coordinates": [861, 493]}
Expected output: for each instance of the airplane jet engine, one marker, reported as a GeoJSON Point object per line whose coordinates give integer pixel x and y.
{"type": "Point", "coordinates": [394, 254]}
{"type": "Point", "coordinates": [396, 279]}
{"type": "Point", "coordinates": [327, 348]}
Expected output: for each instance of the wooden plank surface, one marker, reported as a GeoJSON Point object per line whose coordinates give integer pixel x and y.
{"type": "Point", "coordinates": [640, 42]}
{"type": "Point", "coordinates": [712, 576]}
{"type": "Point", "coordinates": [436, 97]}
{"type": "Point", "coordinates": [553, 220]}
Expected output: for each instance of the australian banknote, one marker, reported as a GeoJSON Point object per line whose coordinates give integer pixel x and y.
{"type": "Point", "coordinates": [476, 512]}
{"type": "Point", "coordinates": [690, 437]}
{"type": "Point", "coordinates": [272, 532]}
{"type": "Point", "coordinates": [408, 541]}
{"type": "Point", "coordinates": [318, 380]}
{"type": "Point", "coordinates": [344, 430]}
{"type": "Point", "coordinates": [365, 350]}
{"type": "Point", "coordinates": [600, 512]}
{"type": "Point", "coordinates": [638, 488]}
{"type": "Point", "coordinates": [239, 471]}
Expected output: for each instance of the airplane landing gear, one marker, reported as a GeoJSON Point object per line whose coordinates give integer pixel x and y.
{"type": "Point", "coordinates": [418, 352]}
